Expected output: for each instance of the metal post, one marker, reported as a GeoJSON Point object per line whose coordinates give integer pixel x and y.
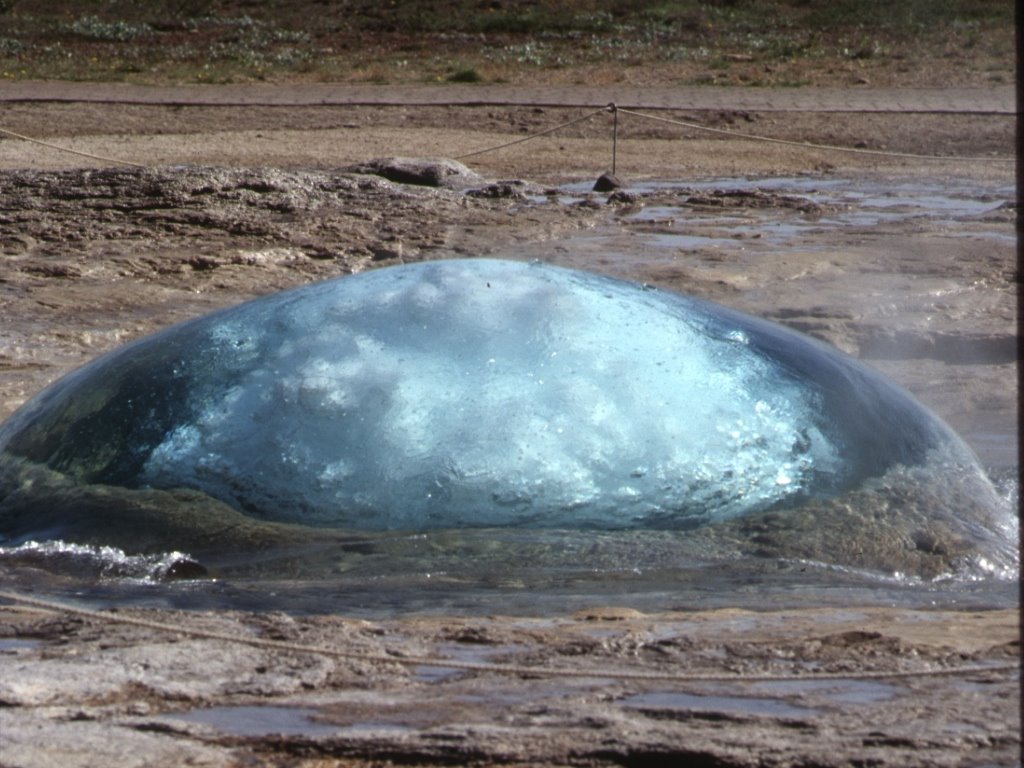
{"type": "Point", "coordinates": [615, 133]}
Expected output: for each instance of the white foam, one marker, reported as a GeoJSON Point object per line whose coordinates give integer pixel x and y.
{"type": "Point", "coordinates": [100, 561]}
{"type": "Point", "coordinates": [485, 393]}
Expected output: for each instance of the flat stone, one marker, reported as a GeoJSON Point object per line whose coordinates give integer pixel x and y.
{"type": "Point", "coordinates": [424, 172]}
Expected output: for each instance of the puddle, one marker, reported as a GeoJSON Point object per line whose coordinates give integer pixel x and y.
{"type": "Point", "coordinates": [850, 203]}
{"type": "Point", "coordinates": [982, 686]}
{"type": "Point", "coordinates": [834, 691]}
{"type": "Point", "coordinates": [999, 237]}
{"type": "Point", "coordinates": [258, 721]}
{"type": "Point", "coordinates": [773, 697]}
{"type": "Point", "coordinates": [932, 203]}
{"type": "Point", "coordinates": [689, 241]}
{"type": "Point", "coordinates": [17, 643]}
{"type": "Point", "coordinates": [659, 214]}
{"type": "Point", "coordinates": [427, 674]}
{"type": "Point", "coordinates": [371, 727]}
{"type": "Point", "coordinates": [273, 720]}
{"type": "Point", "coordinates": [738, 705]}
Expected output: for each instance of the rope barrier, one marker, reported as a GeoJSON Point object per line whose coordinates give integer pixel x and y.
{"type": "Point", "coordinates": [534, 100]}
{"type": "Point", "coordinates": [615, 111]}
{"type": "Point", "coordinates": [501, 669]}
{"type": "Point", "coordinates": [807, 144]}
{"type": "Point", "coordinates": [68, 149]}
{"type": "Point", "coordinates": [532, 136]}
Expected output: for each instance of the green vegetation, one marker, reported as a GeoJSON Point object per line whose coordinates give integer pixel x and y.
{"type": "Point", "coordinates": [469, 75]}
{"type": "Point", "coordinates": [486, 40]}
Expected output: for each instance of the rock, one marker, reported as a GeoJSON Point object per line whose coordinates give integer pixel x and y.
{"type": "Point", "coordinates": [424, 172]}
{"type": "Point", "coordinates": [623, 197]}
{"type": "Point", "coordinates": [608, 613]}
{"type": "Point", "coordinates": [607, 182]}
{"type": "Point", "coordinates": [33, 739]}
{"type": "Point", "coordinates": [512, 189]}
{"type": "Point", "coordinates": [180, 702]}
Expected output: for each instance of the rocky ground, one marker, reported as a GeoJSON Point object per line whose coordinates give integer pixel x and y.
{"type": "Point", "coordinates": [236, 202]}
{"type": "Point", "coordinates": [83, 693]}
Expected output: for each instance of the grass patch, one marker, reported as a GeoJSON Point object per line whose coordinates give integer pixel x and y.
{"type": "Point", "coordinates": [404, 40]}
{"type": "Point", "coordinates": [469, 75]}
{"type": "Point", "coordinates": [906, 16]}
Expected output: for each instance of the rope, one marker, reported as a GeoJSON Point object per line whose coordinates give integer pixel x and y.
{"type": "Point", "coordinates": [614, 110]}
{"type": "Point", "coordinates": [807, 144]}
{"type": "Point", "coordinates": [501, 669]}
{"type": "Point", "coordinates": [528, 97]}
{"type": "Point", "coordinates": [72, 151]}
{"type": "Point", "coordinates": [532, 136]}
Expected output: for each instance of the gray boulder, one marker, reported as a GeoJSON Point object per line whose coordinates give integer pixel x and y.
{"type": "Point", "coordinates": [426, 172]}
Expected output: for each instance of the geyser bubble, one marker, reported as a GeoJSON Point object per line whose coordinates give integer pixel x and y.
{"type": "Point", "coordinates": [479, 393]}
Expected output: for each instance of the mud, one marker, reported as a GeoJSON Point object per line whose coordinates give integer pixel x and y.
{"type": "Point", "coordinates": [92, 256]}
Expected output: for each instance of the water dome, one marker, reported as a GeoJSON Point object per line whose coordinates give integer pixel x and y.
{"type": "Point", "coordinates": [474, 394]}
